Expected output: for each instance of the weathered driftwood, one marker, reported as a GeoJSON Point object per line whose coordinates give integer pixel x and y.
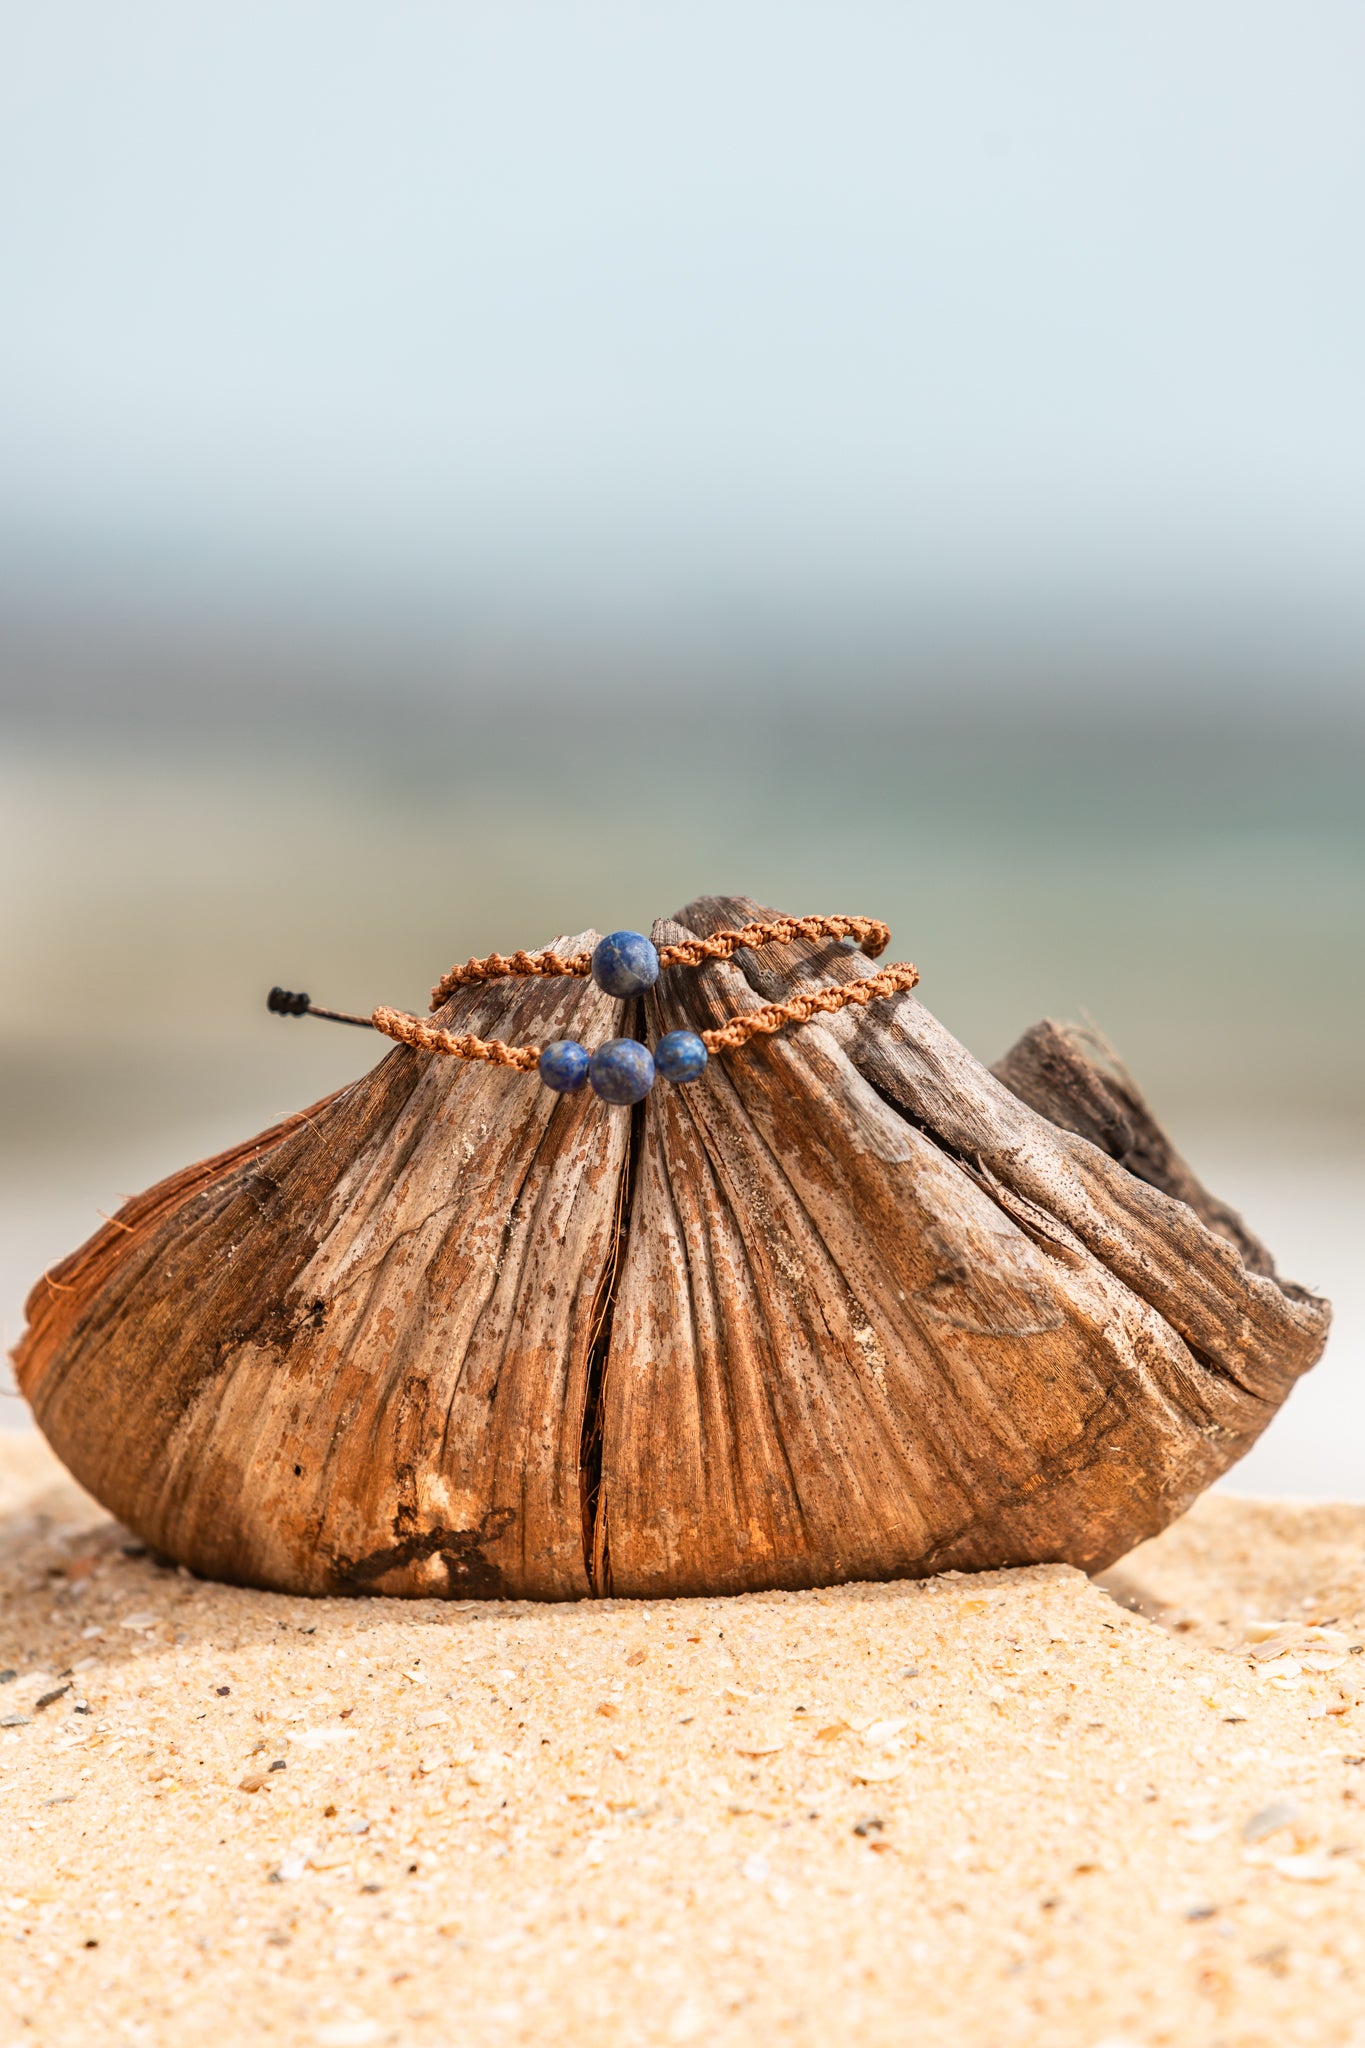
{"type": "Point", "coordinates": [850, 1306]}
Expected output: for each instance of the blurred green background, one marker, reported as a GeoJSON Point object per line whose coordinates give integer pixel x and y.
{"type": "Point", "coordinates": [473, 473]}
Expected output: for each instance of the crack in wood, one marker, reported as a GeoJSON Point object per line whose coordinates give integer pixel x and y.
{"type": "Point", "coordinates": [596, 1546]}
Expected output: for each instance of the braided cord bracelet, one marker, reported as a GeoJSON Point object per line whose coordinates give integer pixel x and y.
{"type": "Point", "coordinates": [626, 964]}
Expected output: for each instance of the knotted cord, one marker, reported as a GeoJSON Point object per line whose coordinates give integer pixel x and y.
{"type": "Point", "coordinates": [871, 934]}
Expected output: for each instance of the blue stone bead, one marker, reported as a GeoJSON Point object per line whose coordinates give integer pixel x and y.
{"type": "Point", "coordinates": [564, 1065]}
{"type": "Point", "coordinates": [622, 1070]}
{"type": "Point", "coordinates": [625, 964]}
{"type": "Point", "coordinates": [680, 1056]}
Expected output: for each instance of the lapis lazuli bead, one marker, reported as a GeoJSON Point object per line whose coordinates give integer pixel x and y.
{"type": "Point", "coordinates": [564, 1065]}
{"type": "Point", "coordinates": [680, 1056]}
{"type": "Point", "coordinates": [625, 964]}
{"type": "Point", "coordinates": [622, 1070]}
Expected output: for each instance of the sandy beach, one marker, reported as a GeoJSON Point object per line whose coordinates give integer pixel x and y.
{"type": "Point", "coordinates": [1012, 1807]}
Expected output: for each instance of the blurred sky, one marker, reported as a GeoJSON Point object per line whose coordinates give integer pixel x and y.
{"type": "Point", "coordinates": [536, 311]}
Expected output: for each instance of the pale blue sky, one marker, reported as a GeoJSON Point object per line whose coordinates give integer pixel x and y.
{"type": "Point", "coordinates": [563, 304]}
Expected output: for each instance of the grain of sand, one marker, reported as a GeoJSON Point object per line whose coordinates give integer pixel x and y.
{"type": "Point", "coordinates": [975, 1810]}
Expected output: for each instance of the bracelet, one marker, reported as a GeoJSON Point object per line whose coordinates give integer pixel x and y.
{"type": "Point", "coordinates": [625, 964]}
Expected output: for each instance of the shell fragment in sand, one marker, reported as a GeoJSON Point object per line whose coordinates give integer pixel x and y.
{"type": "Point", "coordinates": [348, 2033]}
{"type": "Point", "coordinates": [760, 1745]}
{"type": "Point", "coordinates": [1261, 1631]}
{"type": "Point", "coordinates": [1306, 1869]}
{"type": "Point", "coordinates": [29, 1682]}
{"type": "Point", "coordinates": [1268, 1820]}
{"type": "Point", "coordinates": [1294, 1639]}
{"type": "Point", "coordinates": [1202, 1831]}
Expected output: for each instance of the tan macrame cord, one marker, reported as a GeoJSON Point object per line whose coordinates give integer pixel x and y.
{"type": "Point", "coordinates": [889, 981]}
{"type": "Point", "coordinates": [871, 934]}
{"type": "Point", "coordinates": [461, 1045]}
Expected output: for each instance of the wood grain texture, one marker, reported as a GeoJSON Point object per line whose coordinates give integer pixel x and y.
{"type": "Point", "coordinates": [1071, 1076]}
{"type": "Point", "coordinates": [850, 1306]}
{"type": "Point", "coordinates": [355, 1356]}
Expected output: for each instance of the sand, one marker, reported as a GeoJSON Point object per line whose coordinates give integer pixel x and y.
{"type": "Point", "coordinates": [977, 1810]}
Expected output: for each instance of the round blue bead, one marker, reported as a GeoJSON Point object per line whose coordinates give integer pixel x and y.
{"type": "Point", "coordinates": [680, 1056]}
{"type": "Point", "coordinates": [625, 964]}
{"type": "Point", "coordinates": [622, 1070]}
{"type": "Point", "coordinates": [564, 1065]}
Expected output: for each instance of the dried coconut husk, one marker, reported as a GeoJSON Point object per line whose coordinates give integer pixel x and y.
{"type": "Point", "coordinates": [850, 1306]}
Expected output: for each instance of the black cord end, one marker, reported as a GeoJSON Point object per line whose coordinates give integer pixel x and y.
{"type": "Point", "coordinates": [283, 1002]}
